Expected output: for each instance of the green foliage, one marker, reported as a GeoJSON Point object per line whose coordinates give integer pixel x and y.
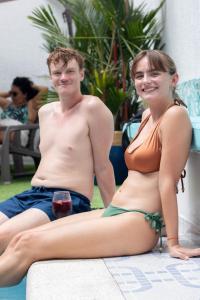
{"type": "Point", "coordinates": [43, 18]}
{"type": "Point", "coordinates": [109, 33]}
{"type": "Point", "coordinates": [103, 85]}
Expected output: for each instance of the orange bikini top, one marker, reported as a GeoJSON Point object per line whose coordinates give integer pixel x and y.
{"type": "Point", "coordinates": [145, 158]}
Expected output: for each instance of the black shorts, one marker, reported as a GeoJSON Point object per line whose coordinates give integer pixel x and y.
{"type": "Point", "coordinates": [41, 198]}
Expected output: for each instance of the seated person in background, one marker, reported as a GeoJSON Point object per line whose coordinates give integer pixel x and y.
{"type": "Point", "coordinates": [73, 148]}
{"type": "Point", "coordinates": [132, 222]}
{"type": "Point", "coordinates": [20, 105]}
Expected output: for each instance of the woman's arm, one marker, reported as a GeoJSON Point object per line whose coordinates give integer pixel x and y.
{"type": "Point", "coordinates": [4, 94]}
{"type": "Point", "coordinates": [175, 134]}
{"type": "Point", "coordinates": [35, 103]}
{"type": "Point", "coordinates": [4, 102]}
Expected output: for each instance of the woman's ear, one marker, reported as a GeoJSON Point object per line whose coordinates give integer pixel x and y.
{"type": "Point", "coordinates": [175, 79]}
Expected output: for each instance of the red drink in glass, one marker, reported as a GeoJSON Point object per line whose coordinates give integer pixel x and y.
{"type": "Point", "coordinates": [62, 204]}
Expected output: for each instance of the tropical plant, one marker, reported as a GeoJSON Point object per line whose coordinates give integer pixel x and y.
{"type": "Point", "coordinates": [109, 33]}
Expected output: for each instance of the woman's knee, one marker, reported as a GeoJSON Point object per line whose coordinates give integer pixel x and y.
{"type": "Point", "coordinates": [23, 242]}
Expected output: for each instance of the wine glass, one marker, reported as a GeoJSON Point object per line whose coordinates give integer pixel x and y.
{"type": "Point", "coordinates": [61, 204]}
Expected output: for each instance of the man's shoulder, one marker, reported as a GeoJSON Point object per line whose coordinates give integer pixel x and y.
{"type": "Point", "coordinates": [91, 103]}
{"type": "Point", "coordinates": [96, 110]}
{"type": "Point", "coordinates": [47, 107]}
{"type": "Point", "coordinates": [90, 99]}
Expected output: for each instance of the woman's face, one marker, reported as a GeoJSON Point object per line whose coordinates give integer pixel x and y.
{"type": "Point", "coordinates": [18, 97]}
{"type": "Point", "coordinates": [151, 84]}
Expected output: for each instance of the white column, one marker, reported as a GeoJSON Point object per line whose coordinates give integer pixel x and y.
{"type": "Point", "coordinates": [189, 202]}
{"type": "Point", "coordinates": [182, 36]}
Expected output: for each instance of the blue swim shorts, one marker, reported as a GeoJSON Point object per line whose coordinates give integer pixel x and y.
{"type": "Point", "coordinates": [41, 198]}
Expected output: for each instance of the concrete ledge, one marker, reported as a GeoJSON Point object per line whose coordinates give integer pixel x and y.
{"type": "Point", "coordinates": [151, 276]}
{"type": "Point", "coordinates": [72, 280]}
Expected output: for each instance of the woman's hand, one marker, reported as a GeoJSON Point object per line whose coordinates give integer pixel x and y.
{"type": "Point", "coordinates": [182, 252]}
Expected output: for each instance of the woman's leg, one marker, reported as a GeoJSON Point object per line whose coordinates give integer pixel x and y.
{"type": "Point", "coordinates": [33, 217]}
{"type": "Point", "coordinates": [1, 136]}
{"type": "Point", "coordinates": [89, 215]}
{"type": "Point", "coordinates": [124, 234]}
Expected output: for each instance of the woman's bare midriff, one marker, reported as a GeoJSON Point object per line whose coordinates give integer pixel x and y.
{"type": "Point", "coordinates": [139, 191]}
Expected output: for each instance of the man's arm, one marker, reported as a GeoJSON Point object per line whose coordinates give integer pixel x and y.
{"type": "Point", "coordinates": [101, 128]}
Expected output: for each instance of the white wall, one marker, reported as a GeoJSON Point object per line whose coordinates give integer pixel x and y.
{"type": "Point", "coordinates": [181, 19]}
{"type": "Point", "coordinates": [21, 52]}
{"type": "Point", "coordinates": [150, 4]}
{"type": "Point", "coordinates": [182, 36]}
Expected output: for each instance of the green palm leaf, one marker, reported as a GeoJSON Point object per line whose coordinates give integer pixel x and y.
{"type": "Point", "coordinates": [109, 33]}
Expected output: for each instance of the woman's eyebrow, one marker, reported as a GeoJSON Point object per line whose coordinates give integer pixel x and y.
{"type": "Point", "coordinates": [139, 72]}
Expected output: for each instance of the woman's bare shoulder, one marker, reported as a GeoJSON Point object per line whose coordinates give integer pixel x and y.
{"type": "Point", "coordinates": [175, 119]}
{"type": "Point", "coordinates": [176, 113]}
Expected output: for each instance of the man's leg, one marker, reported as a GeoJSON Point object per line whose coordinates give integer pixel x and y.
{"type": "Point", "coordinates": [29, 219]}
{"type": "Point", "coordinates": [3, 218]}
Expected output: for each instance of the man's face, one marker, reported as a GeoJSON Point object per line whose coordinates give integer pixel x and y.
{"type": "Point", "coordinates": [66, 78]}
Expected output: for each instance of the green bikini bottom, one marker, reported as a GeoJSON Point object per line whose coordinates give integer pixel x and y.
{"type": "Point", "coordinates": [155, 220]}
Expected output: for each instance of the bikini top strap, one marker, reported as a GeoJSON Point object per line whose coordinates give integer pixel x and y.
{"type": "Point", "coordinates": [143, 123]}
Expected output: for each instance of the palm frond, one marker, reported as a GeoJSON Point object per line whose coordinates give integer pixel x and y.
{"type": "Point", "coordinates": [44, 19]}
{"type": "Point", "coordinates": [109, 33]}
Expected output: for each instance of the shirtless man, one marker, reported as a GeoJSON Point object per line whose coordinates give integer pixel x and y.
{"type": "Point", "coordinates": [76, 135]}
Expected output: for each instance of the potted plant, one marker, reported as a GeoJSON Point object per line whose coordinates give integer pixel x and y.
{"type": "Point", "coordinates": [109, 34]}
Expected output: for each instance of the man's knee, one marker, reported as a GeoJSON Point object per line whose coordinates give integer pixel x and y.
{"type": "Point", "coordinates": [5, 234]}
{"type": "Point", "coordinates": [3, 218]}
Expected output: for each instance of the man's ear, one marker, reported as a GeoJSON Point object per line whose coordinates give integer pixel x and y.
{"type": "Point", "coordinates": [82, 73]}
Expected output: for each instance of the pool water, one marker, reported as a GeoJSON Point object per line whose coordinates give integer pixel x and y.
{"type": "Point", "coordinates": [17, 292]}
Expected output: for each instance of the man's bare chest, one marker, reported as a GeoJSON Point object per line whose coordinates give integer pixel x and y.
{"type": "Point", "coordinates": [63, 133]}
